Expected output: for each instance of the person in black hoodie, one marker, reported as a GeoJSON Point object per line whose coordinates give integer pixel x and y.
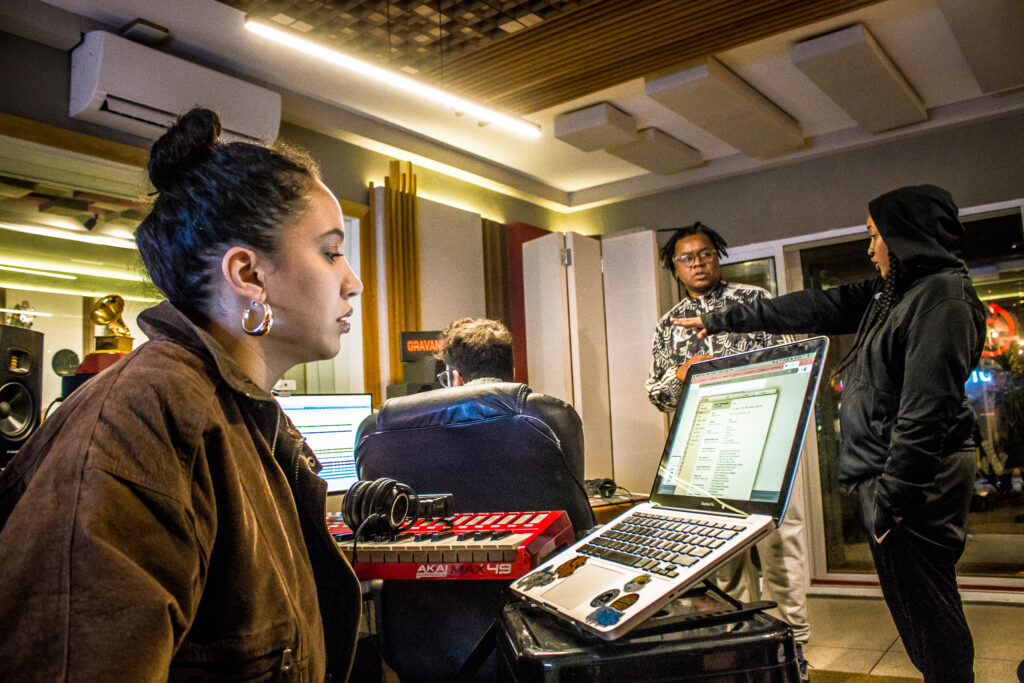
{"type": "Point", "coordinates": [907, 451]}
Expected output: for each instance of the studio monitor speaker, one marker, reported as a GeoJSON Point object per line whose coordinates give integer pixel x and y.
{"type": "Point", "coordinates": [21, 384]}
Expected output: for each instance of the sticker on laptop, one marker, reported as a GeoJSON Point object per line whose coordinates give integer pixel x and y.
{"type": "Point", "coordinates": [541, 578]}
{"type": "Point", "coordinates": [636, 584]}
{"type": "Point", "coordinates": [605, 598]}
{"type": "Point", "coordinates": [625, 602]}
{"type": "Point", "coordinates": [604, 616]}
{"type": "Point", "coordinates": [571, 566]}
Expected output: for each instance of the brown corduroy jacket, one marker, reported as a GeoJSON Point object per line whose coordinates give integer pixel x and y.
{"type": "Point", "coordinates": [165, 523]}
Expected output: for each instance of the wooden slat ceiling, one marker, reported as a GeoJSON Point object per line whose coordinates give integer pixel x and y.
{"type": "Point", "coordinates": [527, 55]}
{"type": "Point", "coordinates": [612, 41]}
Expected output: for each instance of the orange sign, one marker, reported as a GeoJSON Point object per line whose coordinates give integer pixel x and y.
{"type": "Point", "coordinates": [424, 345]}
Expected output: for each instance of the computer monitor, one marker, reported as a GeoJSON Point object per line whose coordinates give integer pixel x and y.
{"type": "Point", "coordinates": [329, 422]}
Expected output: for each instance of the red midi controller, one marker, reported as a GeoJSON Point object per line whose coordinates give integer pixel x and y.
{"type": "Point", "coordinates": [487, 545]}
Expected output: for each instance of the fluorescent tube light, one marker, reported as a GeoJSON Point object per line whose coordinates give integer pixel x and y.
{"type": "Point", "coordinates": [18, 311]}
{"type": "Point", "coordinates": [394, 80]}
{"type": "Point", "coordinates": [72, 292]}
{"type": "Point", "coordinates": [68, 235]}
{"type": "Point", "coordinates": [29, 271]}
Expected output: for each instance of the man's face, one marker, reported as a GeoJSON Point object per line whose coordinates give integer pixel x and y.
{"type": "Point", "coordinates": [696, 264]}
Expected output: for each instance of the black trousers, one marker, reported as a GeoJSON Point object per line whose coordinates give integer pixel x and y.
{"type": "Point", "coordinates": [916, 566]}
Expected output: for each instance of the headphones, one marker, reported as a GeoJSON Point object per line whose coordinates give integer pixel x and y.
{"type": "Point", "coordinates": [605, 488]}
{"type": "Point", "coordinates": [378, 507]}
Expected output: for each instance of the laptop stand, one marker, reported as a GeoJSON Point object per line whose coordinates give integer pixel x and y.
{"type": "Point", "coordinates": [703, 606]}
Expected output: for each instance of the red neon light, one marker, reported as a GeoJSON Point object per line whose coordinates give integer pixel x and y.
{"type": "Point", "coordinates": [1000, 331]}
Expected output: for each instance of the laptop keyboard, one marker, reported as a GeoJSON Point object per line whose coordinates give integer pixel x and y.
{"type": "Point", "coordinates": [661, 544]}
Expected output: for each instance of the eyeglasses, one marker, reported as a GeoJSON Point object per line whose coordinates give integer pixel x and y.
{"type": "Point", "coordinates": [446, 378]}
{"type": "Point", "coordinates": [702, 256]}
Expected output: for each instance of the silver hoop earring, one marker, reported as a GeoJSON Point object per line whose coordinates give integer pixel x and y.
{"type": "Point", "coordinates": [265, 324]}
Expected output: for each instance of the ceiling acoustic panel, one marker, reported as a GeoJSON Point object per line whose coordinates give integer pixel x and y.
{"type": "Point", "coordinates": [991, 36]}
{"type": "Point", "coordinates": [658, 152]}
{"type": "Point", "coordinates": [853, 70]}
{"type": "Point", "coordinates": [706, 93]}
{"type": "Point", "coordinates": [595, 127]}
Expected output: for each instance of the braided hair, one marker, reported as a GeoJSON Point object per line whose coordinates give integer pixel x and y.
{"type": "Point", "coordinates": [667, 254]}
{"type": "Point", "coordinates": [877, 313]}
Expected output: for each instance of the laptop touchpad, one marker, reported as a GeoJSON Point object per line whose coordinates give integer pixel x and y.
{"type": "Point", "coordinates": [582, 586]}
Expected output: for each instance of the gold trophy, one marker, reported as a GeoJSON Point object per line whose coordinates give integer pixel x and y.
{"type": "Point", "coordinates": [109, 347]}
{"type": "Point", "coordinates": [107, 311]}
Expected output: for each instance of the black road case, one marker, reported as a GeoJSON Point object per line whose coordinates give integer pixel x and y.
{"type": "Point", "coordinates": [703, 636]}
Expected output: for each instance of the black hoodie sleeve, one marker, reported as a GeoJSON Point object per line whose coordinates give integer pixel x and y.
{"type": "Point", "coordinates": [813, 311]}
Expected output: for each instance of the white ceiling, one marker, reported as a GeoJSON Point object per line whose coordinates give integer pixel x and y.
{"type": "Point", "coordinates": [913, 33]}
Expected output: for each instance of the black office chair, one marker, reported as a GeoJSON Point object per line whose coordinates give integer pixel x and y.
{"type": "Point", "coordinates": [497, 447]}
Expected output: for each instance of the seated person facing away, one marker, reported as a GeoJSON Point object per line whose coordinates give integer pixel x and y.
{"type": "Point", "coordinates": [166, 523]}
{"type": "Point", "coordinates": [497, 447]}
{"type": "Point", "coordinates": [467, 426]}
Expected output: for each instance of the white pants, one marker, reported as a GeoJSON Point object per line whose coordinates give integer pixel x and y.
{"type": "Point", "coordinates": [783, 555]}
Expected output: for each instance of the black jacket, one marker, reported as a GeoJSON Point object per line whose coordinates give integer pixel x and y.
{"type": "Point", "coordinates": [904, 407]}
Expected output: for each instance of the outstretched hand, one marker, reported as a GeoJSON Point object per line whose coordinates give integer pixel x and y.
{"type": "Point", "coordinates": [693, 324]}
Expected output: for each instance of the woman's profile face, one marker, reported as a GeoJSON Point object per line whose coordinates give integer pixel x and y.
{"type": "Point", "coordinates": [310, 283]}
{"type": "Point", "coordinates": [878, 250]}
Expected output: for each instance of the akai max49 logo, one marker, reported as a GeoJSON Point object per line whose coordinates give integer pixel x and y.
{"type": "Point", "coordinates": [463, 570]}
{"type": "Point", "coordinates": [432, 571]}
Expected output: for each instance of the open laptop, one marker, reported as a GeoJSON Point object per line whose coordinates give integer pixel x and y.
{"type": "Point", "coordinates": [723, 482]}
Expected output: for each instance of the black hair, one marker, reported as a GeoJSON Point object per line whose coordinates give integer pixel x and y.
{"type": "Point", "coordinates": [877, 313]}
{"type": "Point", "coordinates": [478, 348]}
{"type": "Point", "coordinates": [667, 253]}
{"type": "Point", "coordinates": [212, 195]}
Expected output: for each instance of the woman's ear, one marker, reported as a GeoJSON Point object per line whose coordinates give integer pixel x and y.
{"type": "Point", "coordinates": [242, 271]}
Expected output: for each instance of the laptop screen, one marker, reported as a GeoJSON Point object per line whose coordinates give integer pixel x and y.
{"type": "Point", "coordinates": [328, 422]}
{"type": "Point", "coordinates": [736, 436]}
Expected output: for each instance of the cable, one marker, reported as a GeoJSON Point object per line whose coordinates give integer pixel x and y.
{"type": "Point", "coordinates": [46, 413]}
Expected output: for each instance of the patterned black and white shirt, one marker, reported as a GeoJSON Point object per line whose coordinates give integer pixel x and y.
{"type": "Point", "coordinates": [674, 345]}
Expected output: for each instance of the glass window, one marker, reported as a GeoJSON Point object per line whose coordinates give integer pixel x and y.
{"type": "Point", "coordinates": [995, 390]}
{"type": "Point", "coordinates": [759, 272]}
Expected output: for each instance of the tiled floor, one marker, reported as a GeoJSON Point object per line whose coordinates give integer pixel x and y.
{"type": "Point", "coordinates": [857, 635]}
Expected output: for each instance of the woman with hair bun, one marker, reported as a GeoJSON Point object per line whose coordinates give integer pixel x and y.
{"type": "Point", "coordinates": [167, 522]}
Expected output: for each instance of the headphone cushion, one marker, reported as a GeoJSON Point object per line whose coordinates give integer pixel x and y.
{"type": "Point", "coordinates": [351, 504]}
{"type": "Point", "coordinates": [371, 502]}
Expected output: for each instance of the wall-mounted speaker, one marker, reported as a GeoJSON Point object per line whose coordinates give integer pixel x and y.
{"type": "Point", "coordinates": [21, 387]}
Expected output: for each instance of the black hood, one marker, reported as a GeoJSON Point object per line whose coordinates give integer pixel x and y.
{"type": "Point", "coordinates": [919, 225]}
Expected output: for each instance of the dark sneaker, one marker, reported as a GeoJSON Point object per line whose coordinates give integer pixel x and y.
{"type": "Point", "coordinates": [802, 664]}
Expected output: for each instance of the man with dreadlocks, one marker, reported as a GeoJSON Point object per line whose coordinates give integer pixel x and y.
{"type": "Point", "coordinates": [692, 254]}
{"type": "Point", "coordinates": [907, 450]}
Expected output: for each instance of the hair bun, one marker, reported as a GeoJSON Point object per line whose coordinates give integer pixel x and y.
{"type": "Point", "coordinates": [185, 145]}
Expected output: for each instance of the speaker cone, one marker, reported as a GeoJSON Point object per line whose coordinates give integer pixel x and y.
{"type": "Point", "coordinates": [16, 411]}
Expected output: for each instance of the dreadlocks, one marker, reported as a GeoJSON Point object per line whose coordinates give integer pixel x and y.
{"type": "Point", "coordinates": [877, 314]}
